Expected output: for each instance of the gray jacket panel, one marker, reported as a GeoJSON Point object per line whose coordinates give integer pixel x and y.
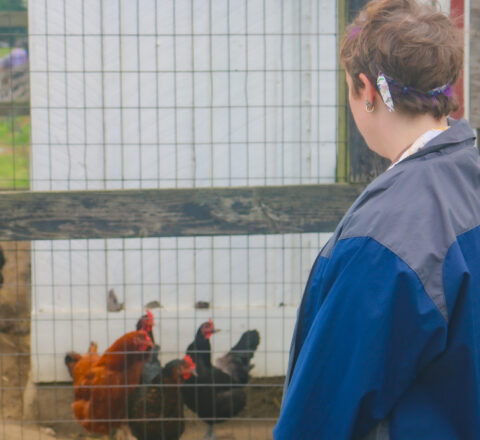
{"type": "Point", "coordinates": [409, 208]}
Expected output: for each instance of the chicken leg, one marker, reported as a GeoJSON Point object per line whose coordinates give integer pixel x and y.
{"type": "Point", "coordinates": [210, 435]}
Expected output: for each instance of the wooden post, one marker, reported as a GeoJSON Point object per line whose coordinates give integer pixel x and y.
{"type": "Point", "coordinates": [457, 13]}
{"type": "Point", "coordinates": [475, 63]}
{"type": "Point", "coordinates": [343, 156]}
{"type": "Point", "coordinates": [362, 164]}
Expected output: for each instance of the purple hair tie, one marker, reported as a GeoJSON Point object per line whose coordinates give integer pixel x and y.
{"type": "Point", "coordinates": [386, 84]}
{"type": "Point", "coordinates": [443, 90]}
{"type": "Point", "coordinates": [354, 32]}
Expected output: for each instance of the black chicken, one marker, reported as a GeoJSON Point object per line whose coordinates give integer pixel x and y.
{"type": "Point", "coordinates": [146, 323]}
{"type": "Point", "coordinates": [155, 410]}
{"type": "Point", "coordinates": [152, 367]}
{"type": "Point", "coordinates": [216, 393]}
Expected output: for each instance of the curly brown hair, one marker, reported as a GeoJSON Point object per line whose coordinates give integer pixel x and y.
{"type": "Point", "coordinates": [415, 44]}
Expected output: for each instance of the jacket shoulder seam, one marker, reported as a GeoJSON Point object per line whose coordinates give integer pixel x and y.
{"type": "Point", "coordinates": [442, 310]}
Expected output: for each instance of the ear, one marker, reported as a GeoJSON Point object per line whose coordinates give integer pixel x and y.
{"type": "Point", "coordinates": [369, 90]}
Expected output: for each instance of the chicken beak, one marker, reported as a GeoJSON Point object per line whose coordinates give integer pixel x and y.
{"type": "Point", "coordinates": [216, 330]}
{"type": "Point", "coordinates": [194, 372]}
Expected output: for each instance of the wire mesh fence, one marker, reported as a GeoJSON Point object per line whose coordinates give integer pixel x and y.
{"type": "Point", "coordinates": [173, 94]}
{"type": "Point", "coordinates": [14, 101]}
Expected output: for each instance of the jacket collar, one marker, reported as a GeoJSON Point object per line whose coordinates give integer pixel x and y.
{"type": "Point", "coordinates": [460, 132]}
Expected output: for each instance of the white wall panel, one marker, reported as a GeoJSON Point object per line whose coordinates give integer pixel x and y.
{"type": "Point", "coordinates": [171, 94]}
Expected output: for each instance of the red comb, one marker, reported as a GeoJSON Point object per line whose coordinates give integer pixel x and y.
{"type": "Point", "coordinates": [210, 321]}
{"type": "Point", "coordinates": [189, 361]}
{"type": "Point", "coordinates": [149, 314]}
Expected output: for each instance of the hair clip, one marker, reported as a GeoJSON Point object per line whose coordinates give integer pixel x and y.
{"type": "Point", "coordinates": [384, 90]}
{"type": "Point", "coordinates": [354, 32]}
{"type": "Point", "coordinates": [386, 85]}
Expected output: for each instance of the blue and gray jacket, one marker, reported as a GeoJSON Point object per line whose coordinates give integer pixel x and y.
{"type": "Point", "coordinates": [387, 341]}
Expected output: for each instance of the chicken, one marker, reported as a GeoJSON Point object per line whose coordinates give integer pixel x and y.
{"type": "Point", "coordinates": [146, 323]}
{"type": "Point", "coordinates": [102, 387]}
{"type": "Point", "coordinates": [236, 363]}
{"type": "Point", "coordinates": [152, 367]}
{"type": "Point", "coordinates": [156, 409]}
{"type": "Point", "coordinates": [200, 349]}
{"type": "Point", "coordinates": [81, 364]}
{"type": "Point", "coordinates": [216, 393]}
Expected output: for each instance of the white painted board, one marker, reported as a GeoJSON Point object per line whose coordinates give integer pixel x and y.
{"type": "Point", "coordinates": [173, 94]}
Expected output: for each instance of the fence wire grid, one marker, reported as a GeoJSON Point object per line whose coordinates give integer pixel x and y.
{"type": "Point", "coordinates": [130, 94]}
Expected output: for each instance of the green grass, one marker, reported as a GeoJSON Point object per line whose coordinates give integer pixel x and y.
{"type": "Point", "coordinates": [14, 172]}
{"type": "Point", "coordinates": [15, 131]}
{"type": "Point", "coordinates": [4, 51]}
{"type": "Point", "coordinates": [15, 153]}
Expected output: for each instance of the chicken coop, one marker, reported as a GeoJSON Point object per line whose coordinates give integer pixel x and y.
{"type": "Point", "coordinates": [189, 158]}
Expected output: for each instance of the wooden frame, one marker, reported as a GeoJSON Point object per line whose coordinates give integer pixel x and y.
{"type": "Point", "coordinates": [475, 64]}
{"type": "Point", "coordinates": [185, 212]}
{"type": "Point", "coordinates": [343, 154]}
{"type": "Point", "coordinates": [355, 161]}
{"type": "Point", "coordinates": [173, 212]}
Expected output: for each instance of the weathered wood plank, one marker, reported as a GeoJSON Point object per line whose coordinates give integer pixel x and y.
{"type": "Point", "coordinates": [11, 19]}
{"type": "Point", "coordinates": [475, 64]}
{"type": "Point", "coordinates": [14, 109]}
{"type": "Point", "coordinates": [173, 212]}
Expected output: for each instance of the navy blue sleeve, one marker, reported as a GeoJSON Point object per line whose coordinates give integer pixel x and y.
{"type": "Point", "coordinates": [365, 342]}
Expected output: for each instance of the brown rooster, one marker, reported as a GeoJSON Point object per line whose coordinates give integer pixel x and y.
{"type": "Point", "coordinates": [102, 387]}
{"type": "Point", "coordinates": [81, 364]}
{"type": "Point", "coordinates": [156, 409]}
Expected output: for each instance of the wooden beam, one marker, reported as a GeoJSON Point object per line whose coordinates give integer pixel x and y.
{"type": "Point", "coordinates": [13, 19]}
{"type": "Point", "coordinates": [173, 212]}
{"type": "Point", "coordinates": [9, 109]}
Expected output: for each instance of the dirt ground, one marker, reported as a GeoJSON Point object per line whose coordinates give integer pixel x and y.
{"type": "Point", "coordinates": [17, 423]}
{"type": "Point", "coordinates": [194, 431]}
{"type": "Point", "coordinates": [14, 328]}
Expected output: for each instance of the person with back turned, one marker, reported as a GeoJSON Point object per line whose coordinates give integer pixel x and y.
{"type": "Point", "coordinates": [387, 340]}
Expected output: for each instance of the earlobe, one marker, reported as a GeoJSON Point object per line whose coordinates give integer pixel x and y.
{"type": "Point", "coordinates": [369, 88]}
